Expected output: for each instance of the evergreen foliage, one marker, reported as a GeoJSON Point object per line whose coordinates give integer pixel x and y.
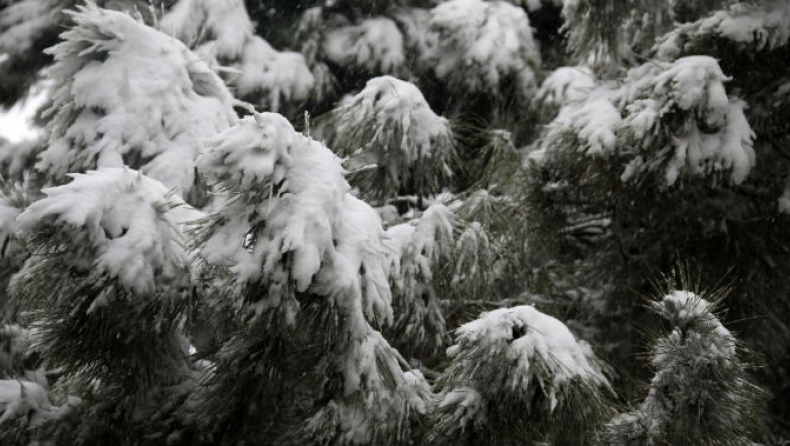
{"type": "Point", "coordinates": [265, 222]}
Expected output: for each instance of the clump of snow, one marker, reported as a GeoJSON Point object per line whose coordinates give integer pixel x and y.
{"type": "Point", "coordinates": [24, 399]}
{"type": "Point", "coordinates": [523, 337]}
{"type": "Point", "coordinates": [481, 46]}
{"type": "Point", "coordinates": [282, 76]}
{"type": "Point", "coordinates": [286, 224]}
{"type": "Point", "coordinates": [665, 118]}
{"type": "Point", "coordinates": [715, 135]}
{"type": "Point", "coordinates": [224, 22]}
{"type": "Point", "coordinates": [514, 360]}
{"type": "Point", "coordinates": [565, 85]}
{"type": "Point", "coordinates": [403, 141]}
{"type": "Point", "coordinates": [126, 94]}
{"type": "Point", "coordinates": [375, 45]}
{"type": "Point", "coordinates": [761, 27]}
{"type": "Point", "coordinates": [223, 29]}
{"type": "Point", "coordinates": [122, 217]}
{"type": "Point", "coordinates": [595, 124]}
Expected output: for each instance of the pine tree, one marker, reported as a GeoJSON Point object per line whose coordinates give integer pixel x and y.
{"type": "Point", "coordinates": [519, 154]}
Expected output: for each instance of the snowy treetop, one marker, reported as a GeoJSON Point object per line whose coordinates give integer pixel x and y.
{"type": "Point", "coordinates": [481, 45]}
{"type": "Point", "coordinates": [395, 142]}
{"type": "Point", "coordinates": [307, 229]}
{"type": "Point", "coordinates": [394, 106]}
{"type": "Point", "coordinates": [122, 217]}
{"type": "Point", "coordinates": [525, 335]}
{"type": "Point", "coordinates": [687, 311]}
{"type": "Point", "coordinates": [643, 112]}
{"type": "Point", "coordinates": [125, 93]}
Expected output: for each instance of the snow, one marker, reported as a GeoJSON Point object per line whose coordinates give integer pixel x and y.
{"type": "Point", "coordinates": [126, 93]}
{"type": "Point", "coordinates": [375, 45]}
{"type": "Point", "coordinates": [595, 123]}
{"type": "Point", "coordinates": [393, 106]}
{"type": "Point", "coordinates": [222, 29]}
{"type": "Point", "coordinates": [544, 339]}
{"type": "Point", "coordinates": [224, 22]}
{"type": "Point", "coordinates": [763, 27]}
{"type": "Point", "coordinates": [687, 311]}
{"type": "Point", "coordinates": [281, 76]}
{"type": "Point", "coordinates": [563, 86]}
{"type": "Point", "coordinates": [716, 135]}
{"type": "Point", "coordinates": [481, 44]}
{"type": "Point", "coordinates": [400, 133]}
{"type": "Point", "coordinates": [22, 22]}
{"type": "Point", "coordinates": [671, 119]}
{"type": "Point", "coordinates": [469, 407]}
{"type": "Point", "coordinates": [288, 222]}
{"type": "Point", "coordinates": [24, 399]}
{"type": "Point", "coordinates": [123, 218]}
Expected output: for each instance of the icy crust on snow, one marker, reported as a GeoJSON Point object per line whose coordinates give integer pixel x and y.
{"type": "Point", "coordinates": [764, 27]}
{"type": "Point", "coordinates": [222, 29]}
{"type": "Point", "coordinates": [123, 218]}
{"type": "Point", "coordinates": [375, 45]}
{"type": "Point", "coordinates": [482, 45]}
{"type": "Point", "coordinates": [288, 220]}
{"type": "Point", "coordinates": [402, 136]}
{"type": "Point", "coordinates": [634, 119]}
{"type": "Point", "coordinates": [565, 85]}
{"type": "Point", "coordinates": [125, 93]}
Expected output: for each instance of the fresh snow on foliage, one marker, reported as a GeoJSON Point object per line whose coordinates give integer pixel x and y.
{"type": "Point", "coordinates": [514, 359]}
{"type": "Point", "coordinates": [24, 399]}
{"type": "Point", "coordinates": [375, 45]}
{"type": "Point", "coordinates": [393, 138]}
{"type": "Point", "coordinates": [122, 217]}
{"type": "Point", "coordinates": [643, 113]}
{"type": "Point", "coordinates": [565, 85]}
{"type": "Point", "coordinates": [525, 337]}
{"type": "Point", "coordinates": [223, 29]}
{"type": "Point", "coordinates": [224, 23]}
{"type": "Point", "coordinates": [126, 94]}
{"type": "Point", "coordinates": [715, 135]}
{"type": "Point", "coordinates": [699, 390]}
{"type": "Point", "coordinates": [333, 244]}
{"type": "Point", "coordinates": [483, 46]}
{"type": "Point", "coordinates": [417, 249]}
{"type": "Point", "coordinates": [595, 122]}
{"type": "Point", "coordinates": [763, 27]}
